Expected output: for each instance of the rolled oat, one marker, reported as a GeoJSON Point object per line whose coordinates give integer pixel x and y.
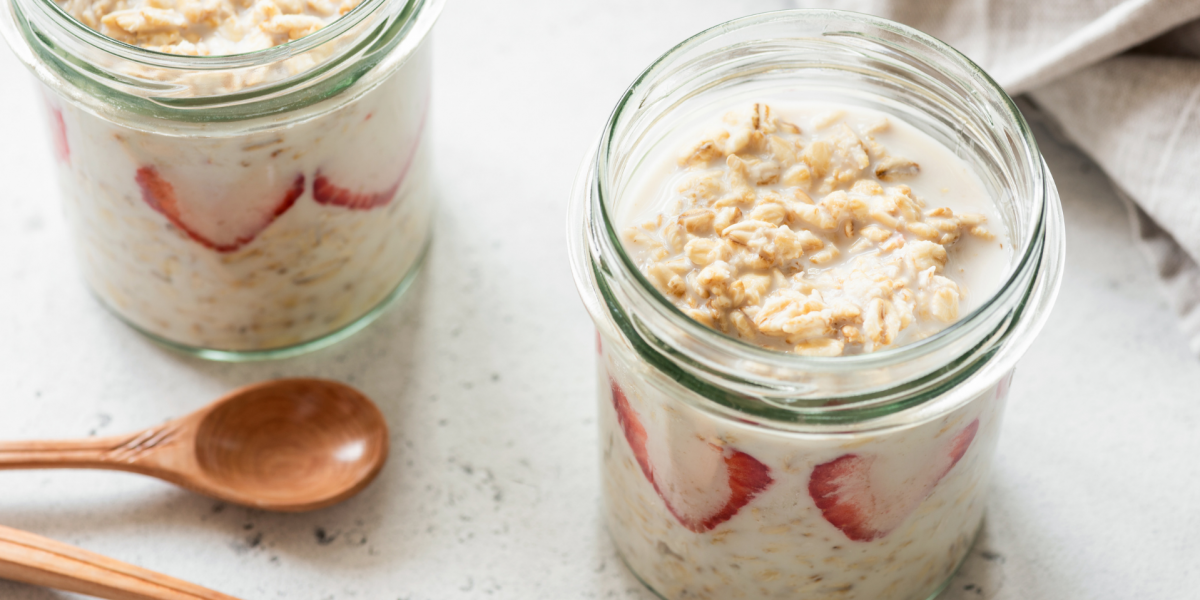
{"type": "Point", "coordinates": [809, 238]}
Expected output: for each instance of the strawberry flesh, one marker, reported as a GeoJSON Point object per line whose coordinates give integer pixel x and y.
{"type": "Point", "coordinates": [160, 195]}
{"type": "Point", "coordinates": [62, 150]}
{"type": "Point", "coordinates": [960, 444]}
{"type": "Point", "coordinates": [857, 503]}
{"type": "Point", "coordinates": [842, 490]}
{"type": "Point", "coordinates": [325, 192]}
{"type": "Point", "coordinates": [747, 477]}
{"type": "Point", "coordinates": [635, 434]}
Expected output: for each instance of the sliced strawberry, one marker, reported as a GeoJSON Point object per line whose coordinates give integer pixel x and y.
{"type": "Point", "coordinates": [959, 446]}
{"type": "Point", "coordinates": [58, 128]}
{"type": "Point", "coordinates": [373, 187]}
{"type": "Point", "coordinates": [327, 193]}
{"type": "Point", "coordinates": [702, 484]}
{"type": "Point", "coordinates": [869, 496]}
{"type": "Point", "coordinates": [635, 434]}
{"type": "Point", "coordinates": [221, 221]}
{"type": "Point", "coordinates": [747, 479]}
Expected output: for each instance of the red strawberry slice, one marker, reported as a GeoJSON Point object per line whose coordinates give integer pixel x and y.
{"type": "Point", "coordinates": [702, 484]}
{"type": "Point", "coordinates": [327, 193]}
{"type": "Point", "coordinates": [869, 496]}
{"type": "Point", "coordinates": [58, 135]}
{"type": "Point", "coordinates": [635, 434]}
{"type": "Point", "coordinates": [218, 219]}
{"type": "Point", "coordinates": [357, 168]}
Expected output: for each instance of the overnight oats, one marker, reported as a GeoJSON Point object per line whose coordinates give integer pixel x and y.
{"type": "Point", "coordinates": [243, 179]}
{"type": "Point", "coordinates": [812, 274]}
{"type": "Point", "coordinates": [804, 230]}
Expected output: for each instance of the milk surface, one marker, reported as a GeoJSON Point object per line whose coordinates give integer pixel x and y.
{"type": "Point", "coordinates": [977, 265]}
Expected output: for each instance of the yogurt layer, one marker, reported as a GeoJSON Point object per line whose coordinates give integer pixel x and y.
{"type": "Point", "coordinates": [206, 27]}
{"type": "Point", "coordinates": [814, 229]}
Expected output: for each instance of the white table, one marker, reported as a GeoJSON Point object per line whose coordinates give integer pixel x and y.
{"type": "Point", "coordinates": [485, 371]}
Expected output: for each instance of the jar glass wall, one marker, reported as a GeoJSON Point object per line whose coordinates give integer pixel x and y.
{"type": "Point", "coordinates": [246, 206]}
{"type": "Point", "coordinates": [734, 471]}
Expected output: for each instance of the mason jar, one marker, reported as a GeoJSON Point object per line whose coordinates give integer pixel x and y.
{"type": "Point", "coordinates": [244, 206]}
{"type": "Point", "coordinates": [733, 471]}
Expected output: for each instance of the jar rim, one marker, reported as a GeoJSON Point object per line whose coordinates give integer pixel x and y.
{"type": "Point", "coordinates": [168, 60]}
{"type": "Point", "coordinates": [1026, 264]}
{"type": "Point", "coordinates": [864, 359]}
{"type": "Point", "coordinates": [88, 66]}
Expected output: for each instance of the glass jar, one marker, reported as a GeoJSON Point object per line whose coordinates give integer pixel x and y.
{"type": "Point", "coordinates": [732, 471]}
{"type": "Point", "coordinates": [246, 206]}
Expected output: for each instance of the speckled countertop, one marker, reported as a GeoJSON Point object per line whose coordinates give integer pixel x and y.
{"type": "Point", "coordinates": [485, 371]}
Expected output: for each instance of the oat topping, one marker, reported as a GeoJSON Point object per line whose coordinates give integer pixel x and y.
{"type": "Point", "coordinates": [206, 27]}
{"type": "Point", "coordinates": [804, 241]}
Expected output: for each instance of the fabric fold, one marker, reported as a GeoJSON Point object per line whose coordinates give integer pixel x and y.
{"type": "Point", "coordinates": [1121, 80]}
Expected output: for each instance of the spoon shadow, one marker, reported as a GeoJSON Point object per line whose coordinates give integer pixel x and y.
{"type": "Point", "coordinates": [12, 589]}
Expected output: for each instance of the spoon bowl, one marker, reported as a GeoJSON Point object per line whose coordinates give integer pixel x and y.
{"type": "Point", "coordinates": [294, 444]}
{"type": "Point", "coordinates": [286, 445]}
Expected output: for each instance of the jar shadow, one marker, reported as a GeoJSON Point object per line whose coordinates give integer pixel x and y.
{"type": "Point", "coordinates": [981, 574]}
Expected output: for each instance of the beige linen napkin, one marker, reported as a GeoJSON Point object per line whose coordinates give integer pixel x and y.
{"type": "Point", "coordinates": [1121, 79]}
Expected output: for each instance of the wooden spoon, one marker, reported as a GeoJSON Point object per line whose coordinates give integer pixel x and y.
{"type": "Point", "coordinates": [36, 560]}
{"type": "Point", "coordinates": [288, 445]}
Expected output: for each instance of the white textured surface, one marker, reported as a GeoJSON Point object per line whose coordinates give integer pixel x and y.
{"type": "Point", "coordinates": [485, 371]}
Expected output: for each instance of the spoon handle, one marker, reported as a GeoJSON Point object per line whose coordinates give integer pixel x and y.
{"type": "Point", "coordinates": [39, 561]}
{"type": "Point", "coordinates": [121, 452]}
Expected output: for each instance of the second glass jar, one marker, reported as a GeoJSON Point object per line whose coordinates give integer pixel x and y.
{"type": "Point", "coordinates": [733, 471]}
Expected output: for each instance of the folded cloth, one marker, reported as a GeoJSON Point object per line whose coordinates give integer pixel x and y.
{"type": "Point", "coordinates": [1120, 79]}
